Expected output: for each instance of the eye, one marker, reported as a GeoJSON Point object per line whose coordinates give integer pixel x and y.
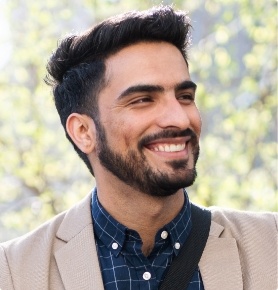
{"type": "Point", "coordinates": [186, 97]}
{"type": "Point", "coordinates": [141, 100]}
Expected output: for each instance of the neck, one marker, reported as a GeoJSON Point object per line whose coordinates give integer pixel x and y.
{"type": "Point", "coordinates": [138, 211]}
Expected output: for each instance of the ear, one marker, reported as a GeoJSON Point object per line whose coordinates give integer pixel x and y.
{"type": "Point", "coordinates": [82, 131]}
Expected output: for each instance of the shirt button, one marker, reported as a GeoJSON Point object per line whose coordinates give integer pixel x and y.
{"type": "Point", "coordinates": [115, 246]}
{"type": "Point", "coordinates": [177, 246]}
{"type": "Point", "coordinates": [164, 235]}
{"type": "Point", "coordinates": [147, 276]}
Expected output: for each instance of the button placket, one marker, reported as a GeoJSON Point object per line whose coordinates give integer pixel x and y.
{"type": "Point", "coordinates": [147, 276]}
{"type": "Point", "coordinates": [115, 246]}
{"type": "Point", "coordinates": [177, 246]}
{"type": "Point", "coordinates": [164, 235]}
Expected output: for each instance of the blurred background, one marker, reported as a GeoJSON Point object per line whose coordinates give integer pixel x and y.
{"type": "Point", "coordinates": [233, 59]}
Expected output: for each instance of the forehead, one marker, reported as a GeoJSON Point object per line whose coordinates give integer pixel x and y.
{"type": "Point", "coordinates": [148, 63]}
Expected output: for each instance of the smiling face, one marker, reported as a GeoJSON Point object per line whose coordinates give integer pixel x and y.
{"type": "Point", "coordinates": [149, 126]}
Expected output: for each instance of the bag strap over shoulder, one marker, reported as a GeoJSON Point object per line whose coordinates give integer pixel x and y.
{"type": "Point", "coordinates": [183, 266]}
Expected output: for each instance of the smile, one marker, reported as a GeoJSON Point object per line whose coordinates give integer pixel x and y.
{"type": "Point", "coordinates": [169, 147]}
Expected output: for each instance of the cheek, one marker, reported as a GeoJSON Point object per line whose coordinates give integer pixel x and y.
{"type": "Point", "coordinates": [121, 134]}
{"type": "Point", "coordinates": [196, 121]}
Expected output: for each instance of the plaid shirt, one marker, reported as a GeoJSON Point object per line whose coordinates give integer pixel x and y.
{"type": "Point", "coordinates": [123, 265]}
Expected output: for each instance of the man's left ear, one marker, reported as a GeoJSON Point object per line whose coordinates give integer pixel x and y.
{"type": "Point", "coordinates": [82, 131]}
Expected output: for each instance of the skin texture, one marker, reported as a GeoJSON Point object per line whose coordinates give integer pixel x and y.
{"type": "Point", "coordinates": [148, 104]}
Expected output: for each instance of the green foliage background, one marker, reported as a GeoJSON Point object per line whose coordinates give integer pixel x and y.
{"type": "Point", "coordinates": [233, 59]}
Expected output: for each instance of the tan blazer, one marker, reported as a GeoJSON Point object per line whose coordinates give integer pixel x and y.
{"type": "Point", "coordinates": [241, 253]}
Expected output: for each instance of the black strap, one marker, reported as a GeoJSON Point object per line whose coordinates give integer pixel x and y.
{"type": "Point", "coordinates": [183, 266]}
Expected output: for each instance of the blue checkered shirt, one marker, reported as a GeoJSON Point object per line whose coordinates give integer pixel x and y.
{"type": "Point", "coordinates": [123, 265]}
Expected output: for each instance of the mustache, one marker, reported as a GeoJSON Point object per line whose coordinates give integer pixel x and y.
{"type": "Point", "coordinates": [167, 134]}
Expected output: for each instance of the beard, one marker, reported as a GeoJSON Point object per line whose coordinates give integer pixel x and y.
{"type": "Point", "coordinates": [134, 170]}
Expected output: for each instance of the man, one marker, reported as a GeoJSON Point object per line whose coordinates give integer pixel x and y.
{"type": "Point", "coordinates": [127, 103]}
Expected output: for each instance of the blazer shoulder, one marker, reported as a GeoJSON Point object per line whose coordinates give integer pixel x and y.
{"type": "Point", "coordinates": [5, 273]}
{"type": "Point", "coordinates": [69, 219]}
{"type": "Point", "coordinates": [242, 221]}
{"type": "Point", "coordinates": [47, 229]}
{"type": "Point", "coordinates": [30, 259]}
{"type": "Point", "coordinates": [21, 254]}
{"type": "Point", "coordinates": [255, 235]}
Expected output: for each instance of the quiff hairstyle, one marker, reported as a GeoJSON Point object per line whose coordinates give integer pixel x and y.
{"type": "Point", "coordinates": [76, 69]}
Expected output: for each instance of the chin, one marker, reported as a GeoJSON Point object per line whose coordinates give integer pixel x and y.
{"type": "Point", "coordinates": [165, 185]}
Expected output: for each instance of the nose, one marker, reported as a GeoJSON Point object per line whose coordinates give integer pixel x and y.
{"type": "Point", "coordinates": [173, 114]}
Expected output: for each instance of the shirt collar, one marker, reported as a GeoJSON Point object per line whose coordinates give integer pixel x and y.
{"type": "Point", "coordinates": [106, 228]}
{"type": "Point", "coordinates": [179, 228]}
{"type": "Point", "coordinates": [109, 231]}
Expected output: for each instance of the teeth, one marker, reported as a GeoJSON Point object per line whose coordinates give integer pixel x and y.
{"type": "Point", "coordinates": [173, 147]}
{"type": "Point", "coordinates": [167, 148]}
{"type": "Point", "coordinates": [160, 148]}
{"type": "Point", "coordinates": [180, 147]}
{"type": "Point", "coordinates": [170, 148]}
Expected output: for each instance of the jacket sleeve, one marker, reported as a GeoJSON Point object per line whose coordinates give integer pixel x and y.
{"type": "Point", "coordinates": [5, 273]}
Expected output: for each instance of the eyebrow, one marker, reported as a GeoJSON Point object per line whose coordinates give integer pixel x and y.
{"type": "Point", "coordinates": [186, 85]}
{"type": "Point", "coordinates": [139, 89]}
{"type": "Point", "coordinates": [155, 88]}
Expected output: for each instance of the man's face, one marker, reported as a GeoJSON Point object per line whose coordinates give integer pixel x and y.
{"type": "Point", "coordinates": [149, 125]}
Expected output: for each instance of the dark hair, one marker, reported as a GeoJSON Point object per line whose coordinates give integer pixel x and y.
{"type": "Point", "coordinates": [76, 70]}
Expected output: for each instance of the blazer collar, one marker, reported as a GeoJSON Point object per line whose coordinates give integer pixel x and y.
{"type": "Point", "coordinates": [77, 258]}
{"type": "Point", "coordinates": [220, 264]}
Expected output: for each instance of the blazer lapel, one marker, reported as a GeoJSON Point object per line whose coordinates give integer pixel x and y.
{"type": "Point", "coordinates": [77, 258]}
{"type": "Point", "coordinates": [220, 264]}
